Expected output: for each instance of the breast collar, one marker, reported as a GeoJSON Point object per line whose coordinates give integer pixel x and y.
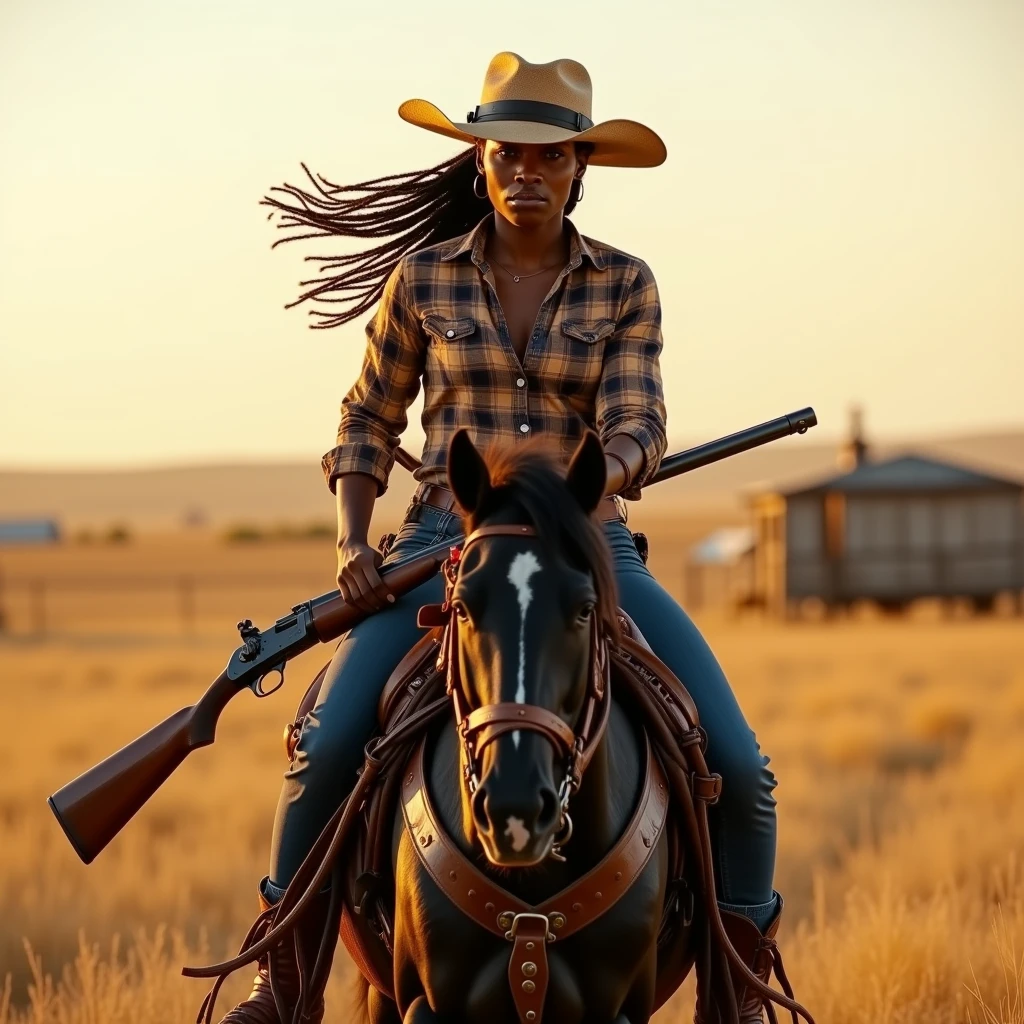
{"type": "Point", "coordinates": [532, 928]}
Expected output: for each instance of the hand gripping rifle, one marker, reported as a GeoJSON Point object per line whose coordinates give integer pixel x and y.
{"type": "Point", "coordinates": [93, 808]}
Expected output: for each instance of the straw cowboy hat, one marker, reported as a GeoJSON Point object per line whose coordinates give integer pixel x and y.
{"type": "Point", "coordinates": [539, 103]}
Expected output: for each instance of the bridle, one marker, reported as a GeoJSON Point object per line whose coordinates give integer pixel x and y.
{"type": "Point", "coordinates": [481, 726]}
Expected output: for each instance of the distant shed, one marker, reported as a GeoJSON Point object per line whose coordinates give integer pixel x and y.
{"type": "Point", "coordinates": [891, 532]}
{"type": "Point", "coordinates": [719, 568]}
{"type": "Point", "coordinates": [29, 531]}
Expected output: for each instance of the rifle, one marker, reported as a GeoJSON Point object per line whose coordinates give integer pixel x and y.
{"type": "Point", "coordinates": [94, 807]}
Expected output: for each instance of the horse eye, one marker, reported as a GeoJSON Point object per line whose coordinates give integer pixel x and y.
{"type": "Point", "coordinates": [585, 612]}
{"type": "Point", "coordinates": [461, 612]}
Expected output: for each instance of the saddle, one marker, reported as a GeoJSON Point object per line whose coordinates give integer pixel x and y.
{"type": "Point", "coordinates": [408, 705]}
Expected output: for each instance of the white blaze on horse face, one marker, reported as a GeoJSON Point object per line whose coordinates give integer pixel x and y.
{"type": "Point", "coordinates": [523, 566]}
{"type": "Point", "coordinates": [517, 831]}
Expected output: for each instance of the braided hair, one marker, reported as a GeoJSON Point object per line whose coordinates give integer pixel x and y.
{"type": "Point", "coordinates": [411, 210]}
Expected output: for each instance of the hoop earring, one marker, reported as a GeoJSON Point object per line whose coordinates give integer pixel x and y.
{"type": "Point", "coordinates": [479, 177]}
{"type": "Point", "coordinates": [579, 197]}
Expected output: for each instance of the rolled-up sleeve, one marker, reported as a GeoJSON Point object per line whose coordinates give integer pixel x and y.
{"type": "Point", "coordinates": [630, 397]}
{"type": "Point", "coordinates": [373, 413]}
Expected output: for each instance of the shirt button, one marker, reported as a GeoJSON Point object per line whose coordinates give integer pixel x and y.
{"type": "Point", "coordinates": [520, 383]}
{"type": "Point", "coordinates": [449, 334]}
{"type": "Point", "coordinates": [524, 427]}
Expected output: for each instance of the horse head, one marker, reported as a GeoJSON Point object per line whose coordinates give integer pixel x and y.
{"type": "Point", "coordinates": [532, 602]}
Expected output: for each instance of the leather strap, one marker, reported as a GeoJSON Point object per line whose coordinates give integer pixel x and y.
{"type": "Point", "coordinates": [485, 724]}
{"type": "Point", "coordinates": [505, 915]}
{"type": "Point", "coordinates": [638, 658]}
{"type": "Point", "coordinates": [498, 530]}
{"type": "Point", "coordinates": [609, 509]}
{"type": "Point", "coordinates": [528, 971]}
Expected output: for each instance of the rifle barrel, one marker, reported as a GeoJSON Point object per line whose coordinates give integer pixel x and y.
{"type": "Point", "coordinates": [742, 441]}
{"type": "Point", "coordinates": [703, 455]}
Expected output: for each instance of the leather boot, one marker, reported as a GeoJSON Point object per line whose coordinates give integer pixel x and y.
{"type": "Point", "coordinates": [280, 963]}
{"type": "Point", "coordinates": [757, 951]}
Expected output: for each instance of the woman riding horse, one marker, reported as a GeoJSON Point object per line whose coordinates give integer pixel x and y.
{"type": "Point", "coordinates": [518, 327]}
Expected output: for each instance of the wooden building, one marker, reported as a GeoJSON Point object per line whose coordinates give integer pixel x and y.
{"type": "Point", "coordinates": [890, 532]}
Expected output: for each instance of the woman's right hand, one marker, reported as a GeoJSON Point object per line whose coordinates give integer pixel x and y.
{"type": "Point", "coordinates": [358, 579]}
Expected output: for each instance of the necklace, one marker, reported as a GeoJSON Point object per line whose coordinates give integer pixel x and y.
{"type": "Point", "coordinates": [522, 277]}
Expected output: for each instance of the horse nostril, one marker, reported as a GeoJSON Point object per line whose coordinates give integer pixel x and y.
{"type": "Point", "coordinates": [548, 809]}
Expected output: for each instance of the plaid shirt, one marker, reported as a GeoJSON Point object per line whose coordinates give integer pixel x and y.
{"type": "Point", "coordinates": [592, 360]}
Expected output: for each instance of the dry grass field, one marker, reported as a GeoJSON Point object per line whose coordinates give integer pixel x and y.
{"type": "Point", "coordinates": [897, 745]}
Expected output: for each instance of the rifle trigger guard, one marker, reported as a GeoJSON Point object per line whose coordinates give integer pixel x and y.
{"type": "Point", "coordinates": [257, 684]}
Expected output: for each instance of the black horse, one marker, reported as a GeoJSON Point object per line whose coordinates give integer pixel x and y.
{"type": "Point", "coordinates": [529, 612]}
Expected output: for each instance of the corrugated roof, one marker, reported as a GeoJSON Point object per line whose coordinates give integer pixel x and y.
{"type": "Point", "coordinates": [906, 473]}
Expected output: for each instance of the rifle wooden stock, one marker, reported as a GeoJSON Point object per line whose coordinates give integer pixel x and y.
{"type": "Point", "coordinates": [93, 808]}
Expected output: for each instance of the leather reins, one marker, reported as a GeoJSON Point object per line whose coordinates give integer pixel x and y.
{"type": "Point", "coordinates": [481, 726]}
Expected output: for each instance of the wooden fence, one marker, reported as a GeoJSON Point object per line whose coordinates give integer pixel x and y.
{"type": "Point", "coordinates": [43, 606]}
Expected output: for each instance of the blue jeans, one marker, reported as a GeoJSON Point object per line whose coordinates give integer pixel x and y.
{"type": "Point", "coordinates": [330, 746]}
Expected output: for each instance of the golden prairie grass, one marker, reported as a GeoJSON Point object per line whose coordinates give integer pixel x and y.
{"type": "Point", "coordinates": [897, 746]}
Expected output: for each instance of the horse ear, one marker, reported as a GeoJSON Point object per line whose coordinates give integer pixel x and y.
{"type": "Point", "coordinates": [587, 474]}
{"type": "Point", "coordinates": [468, 477]}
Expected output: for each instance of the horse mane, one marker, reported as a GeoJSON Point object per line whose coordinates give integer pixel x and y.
{"type": "Point", "coordinates": [529, 474]}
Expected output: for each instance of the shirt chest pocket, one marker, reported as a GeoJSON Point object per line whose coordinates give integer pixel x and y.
{"type": "Point", "coordinates": [579, 345]}
{"type": "Point", "coordinates": [454, 351]}
{"type": "Point", "coordinates": [444, 329]}
{"type": "Point", "coordinates": [590, 332]}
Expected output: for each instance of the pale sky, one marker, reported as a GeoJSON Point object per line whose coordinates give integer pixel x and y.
{"type": "Point", "coordinates": [840, 218]}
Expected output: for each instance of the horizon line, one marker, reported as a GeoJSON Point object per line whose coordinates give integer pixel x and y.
{"type": "Point", "coordinates": [229, 461]}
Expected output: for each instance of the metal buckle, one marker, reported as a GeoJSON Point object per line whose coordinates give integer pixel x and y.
{"type": "Point", "coordinates": [564, 835]}
{"type": "Point", "coordinates": [540, 918]}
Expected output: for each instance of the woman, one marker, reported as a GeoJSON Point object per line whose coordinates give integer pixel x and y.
{"type": "Point", "coordinates": [517, 326]}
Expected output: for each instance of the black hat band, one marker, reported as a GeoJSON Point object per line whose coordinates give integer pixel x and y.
{"type": "Point", "coordinates": [530, 110]}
